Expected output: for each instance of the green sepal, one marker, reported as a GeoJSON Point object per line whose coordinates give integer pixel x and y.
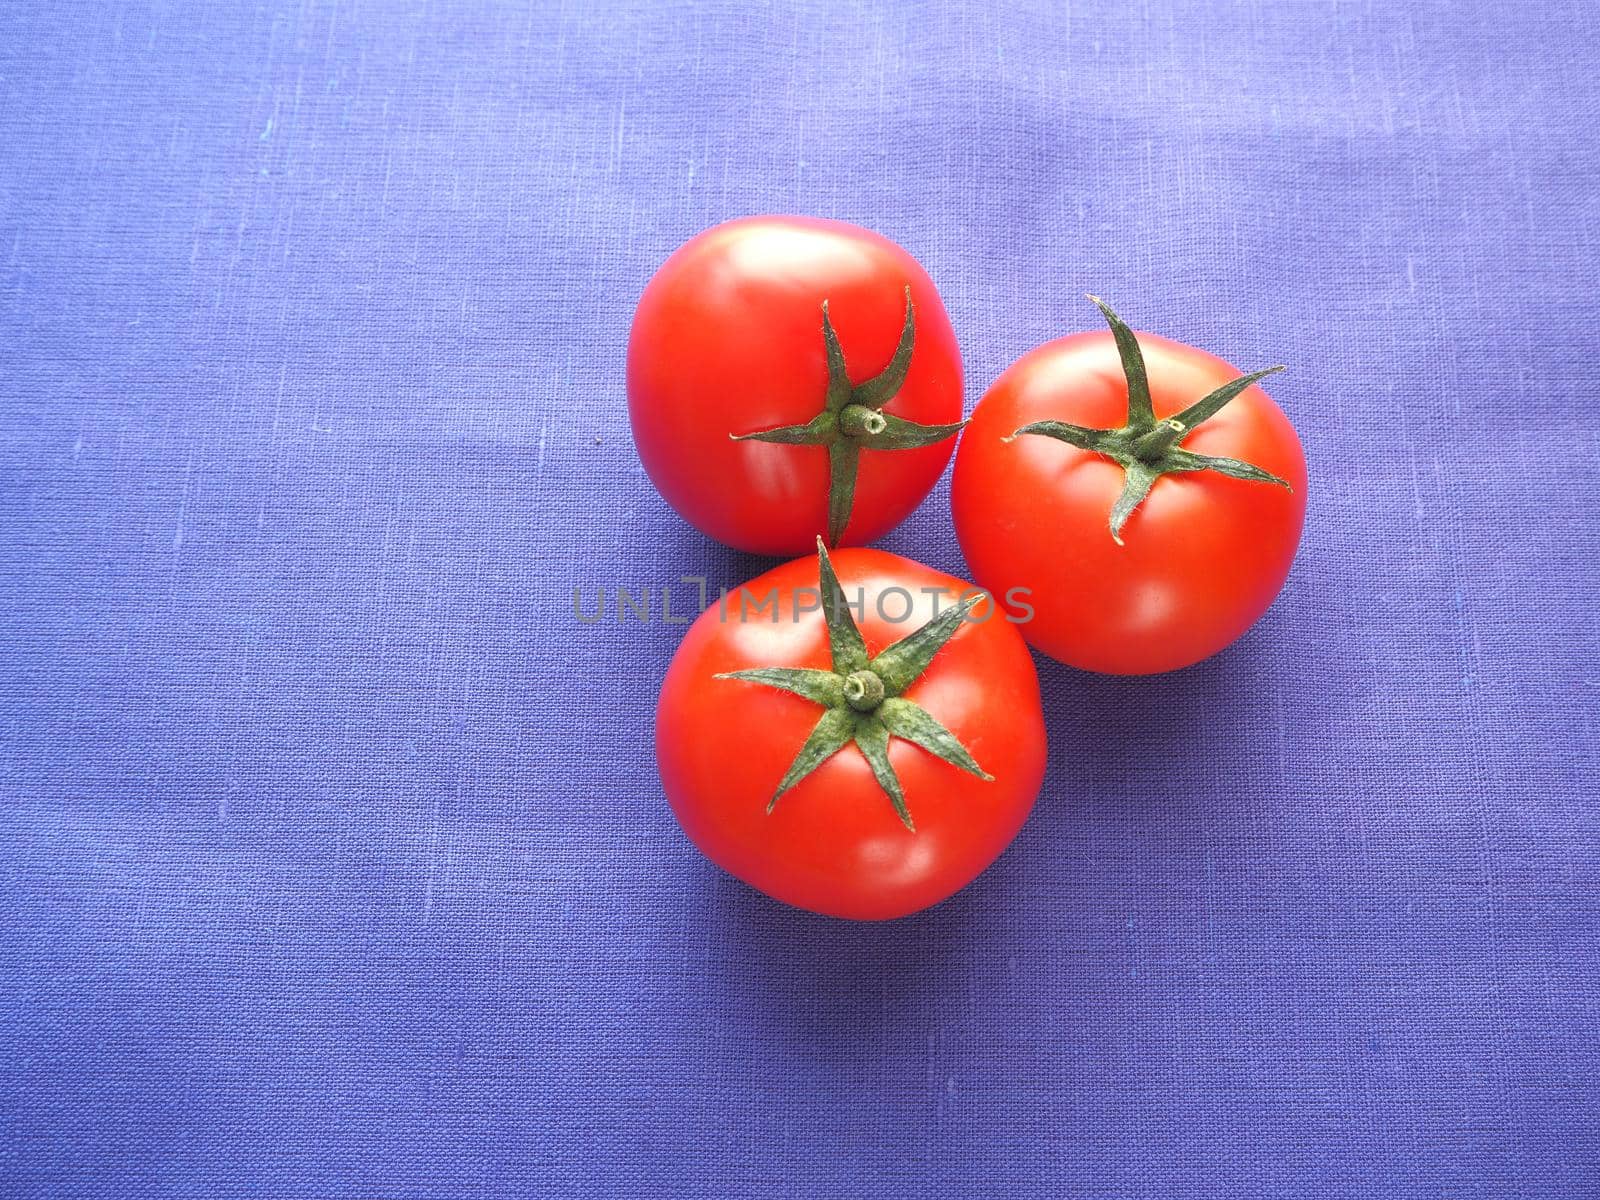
{"type": "Point", "coordinates": [881, 388]}
{"type": "Point", "coordinates": [1208, 407]}
{"type": "Point", "coordinates": [845, 645]}
{"type": "Point", "coordinates": [844, 459]}
{"type": "Point", "coordinates": [1188, 460]}
{"type": "Point", "coordinates": [869, 721]}
{"type": "Point", "coordinates": [873, 739]}
{"type": "Point", "coordinates": [821, 687]}
{"type": "Point", "coordinates": [838, 376]}
{"type": "Point", "coordinates": [843, 432]}
{"type": "Point", "coordinates": [1072, 435]}
{"type": "Point", "coordinates": [1146, 448]}
{"type": "Point", "coordinates": [816, 432]}
{"type": "Point", "coordinates": [1138, 477]}
{"type": "Point", "coordinates": [916, 724]}
{"type": "Point", "coordinates": [902, 662]}
{"type": "Point", "coordinates": [831, 734]}
{"type": "Point", "coordinates": [901, 434]}
{"type": "Point", "coordinates": [1141, 412]}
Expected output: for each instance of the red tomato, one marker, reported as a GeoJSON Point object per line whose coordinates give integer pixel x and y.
{"type": "Point", "coordinates": [729, 342]}
{"type": "Point", "coordinates": [837, 841]}
{"type": "Point", "coordinates": [1200, 558]}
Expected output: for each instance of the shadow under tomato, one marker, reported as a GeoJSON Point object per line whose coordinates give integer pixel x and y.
{"type": "Point", "coordinates": [823, 976]}
{"type": "Point", "coordinates": [1142, 770]}
{"type": "Point", "coordinates": [1140, 758]}
{"type": "Point", "coordinates": [1113, 732]}
{"type": "Point", "coordinates": [1168, 748]}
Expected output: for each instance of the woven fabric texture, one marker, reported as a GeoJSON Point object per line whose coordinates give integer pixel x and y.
{"type": "Point", "coordinates": [333, 858]}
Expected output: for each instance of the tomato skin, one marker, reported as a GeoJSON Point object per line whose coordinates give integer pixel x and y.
{"type": "Point", "coordinates": [728, 339]}
{"type": "Point", "coordinates": [1204, 554]}
{"type": "Point", "coordinates": [833, 843]}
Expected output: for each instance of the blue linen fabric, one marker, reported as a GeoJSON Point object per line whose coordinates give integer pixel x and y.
{"type": "Point", "coordinates": [333, 857]}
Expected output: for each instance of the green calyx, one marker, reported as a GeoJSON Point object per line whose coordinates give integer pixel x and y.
{"type": "Point", "coordinates": [852, 419]}
{"type": "Point", "coordinates": [861, 695]}
{"type": "Point", "coordinates": [1146, 448]}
